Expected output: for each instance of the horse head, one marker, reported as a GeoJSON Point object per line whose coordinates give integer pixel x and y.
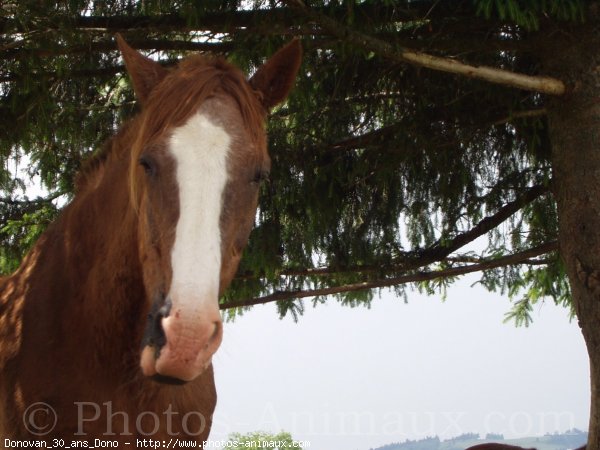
{"type": "Point", "coordinates": [198, 156]}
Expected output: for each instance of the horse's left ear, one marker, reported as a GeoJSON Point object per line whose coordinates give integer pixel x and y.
{"type": "Point", "coordinates": [145, 73]}
{"type": "Point", "coordinates": [275, 78]}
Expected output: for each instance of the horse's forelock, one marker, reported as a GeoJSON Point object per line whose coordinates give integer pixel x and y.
{"type": "Point", "coordinates": [170, 104]}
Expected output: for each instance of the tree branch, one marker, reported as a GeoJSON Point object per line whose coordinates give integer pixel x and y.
{"type": "Point", "coordinates": [367, 138]}
{"type": "Point", "coordinates": [81, 73]}
{"type": "Point", "coordinates": [545, 85]}
{"type": "Point", "coordinates": [106, 46]}
{"type": "Point", "coordinates": [362, 140]}
{"type": "Point", "coordinates": [540, 112]}
{"type": "Point", "coordinates": [442, 249]}
{"type": "Point", "coordinates": [48, 199]}
{"type": "Point", "coordinates": [222, 22]}
{"type": "Point", "coordinates": [439, 251]}
{"type": "Point", "coordinates": [509, 260]}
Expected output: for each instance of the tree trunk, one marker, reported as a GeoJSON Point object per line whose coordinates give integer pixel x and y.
{"type": "Point", "coordinates": [574, 124]}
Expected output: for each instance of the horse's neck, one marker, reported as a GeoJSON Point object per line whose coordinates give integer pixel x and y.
{"type": "Point", "coordinates": [100, 245]}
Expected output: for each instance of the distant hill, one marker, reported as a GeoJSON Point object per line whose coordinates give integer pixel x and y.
{"type": "Point", "coordinates": [565, 441]}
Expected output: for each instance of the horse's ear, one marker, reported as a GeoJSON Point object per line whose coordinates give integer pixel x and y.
{"type": "Point", "coordinates": [275, 78]}
{"type": "Point", "coordinates": [145, 73]}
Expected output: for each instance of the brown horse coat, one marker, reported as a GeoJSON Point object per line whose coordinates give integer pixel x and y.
{"type": "Point", "coordinates": [75, 314]}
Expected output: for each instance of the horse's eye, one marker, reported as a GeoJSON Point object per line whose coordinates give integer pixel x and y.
{"type": "Point", "coordinates": [260, 175]}
{"type": "Point", "coordinates": [148, 165]}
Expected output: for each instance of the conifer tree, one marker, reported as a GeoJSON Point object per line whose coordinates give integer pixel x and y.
{"type": "Point", "coordinates": [425, 140]}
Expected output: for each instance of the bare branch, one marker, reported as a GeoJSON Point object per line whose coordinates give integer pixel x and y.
{"type": "Point", "coordinates": [542, 84]}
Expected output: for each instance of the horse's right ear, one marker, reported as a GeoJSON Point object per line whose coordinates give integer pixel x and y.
{"type": "Point", "coordinates": [145, 73]}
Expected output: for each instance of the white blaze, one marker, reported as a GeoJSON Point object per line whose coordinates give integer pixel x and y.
{"type": "Point", "coordinates": [200, 150]}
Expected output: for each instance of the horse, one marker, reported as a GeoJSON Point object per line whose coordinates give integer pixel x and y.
{"type": "Point", "coordinates": [108, 326]}
{"type": "Point", "coordinates": [497, 446]}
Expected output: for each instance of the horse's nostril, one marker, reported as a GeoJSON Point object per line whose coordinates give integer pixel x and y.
{"type": "Point", "coordinates": [165, 309]}
{"type": "Point", "coordinates": [154, 335]}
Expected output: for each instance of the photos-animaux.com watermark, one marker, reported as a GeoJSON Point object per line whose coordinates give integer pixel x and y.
{"type": "Point", "coordinates": [40, 419]}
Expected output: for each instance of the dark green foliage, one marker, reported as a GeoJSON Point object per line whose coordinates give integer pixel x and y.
{"type": "Point", "coordinates": [378, 168]}
{"type": "Point", "coordinates": [22, 231]}
{"type": "Point", "coordinates": [261, 439]}
{"type": "Point", "coordinates": [528, 13]}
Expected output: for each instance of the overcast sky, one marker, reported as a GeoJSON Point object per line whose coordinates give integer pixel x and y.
{"type": "Point", "coordinates": [348, 379]}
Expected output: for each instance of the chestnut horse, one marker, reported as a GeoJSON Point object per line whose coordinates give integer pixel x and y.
{"type": "Point", "coordinates": [108, 327]}
{"type": "Point", "coordinates": [496, 446]}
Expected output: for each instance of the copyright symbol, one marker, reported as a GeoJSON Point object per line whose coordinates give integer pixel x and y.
{"type": "Point", "coordinates": [39, 418]}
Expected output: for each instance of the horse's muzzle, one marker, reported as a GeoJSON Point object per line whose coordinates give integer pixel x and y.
{"type": "Point", "coordinates": [179, 341]}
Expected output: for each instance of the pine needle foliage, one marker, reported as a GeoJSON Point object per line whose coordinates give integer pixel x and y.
{"type": "Point", "coordinates": [381, 171]}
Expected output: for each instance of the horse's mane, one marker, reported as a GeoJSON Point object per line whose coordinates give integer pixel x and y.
{"type": "Point", "coordinates": [92, 164]}
{"type": "Point", "coordinates": [171, 103]}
